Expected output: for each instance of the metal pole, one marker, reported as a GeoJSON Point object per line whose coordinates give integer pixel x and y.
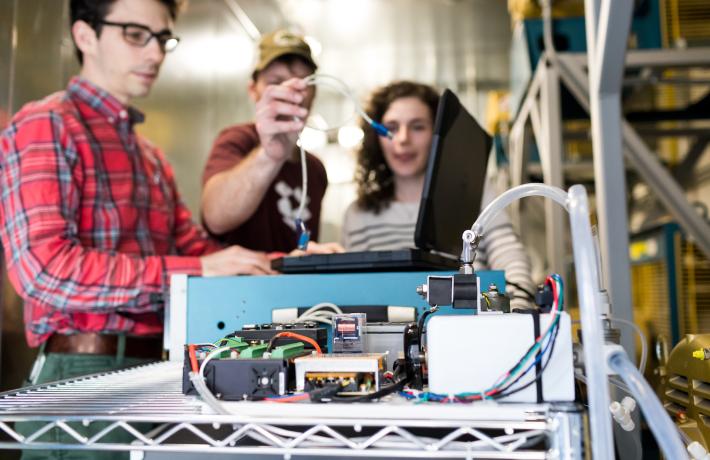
{"type": "Point", "coordinates": [607, 26]}
{"type": "Point", "coordinates": [606, 70]}
{"type": "Point", "coordinates": [567, 425]}
{"type": "Point", "coordinates": [551, 161]}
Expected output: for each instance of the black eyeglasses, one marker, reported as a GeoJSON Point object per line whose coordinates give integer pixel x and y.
{"type": "Point", "coordinates": [140, 35]}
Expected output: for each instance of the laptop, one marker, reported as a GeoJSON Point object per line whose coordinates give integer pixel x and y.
{"type": "Point", "coordinates": [451, 201]}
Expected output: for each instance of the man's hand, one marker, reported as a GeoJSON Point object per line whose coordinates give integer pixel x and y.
{"type": "Point", "coordinates": [280, 118]}
{"type": "Point", "coordinates": [236, 260]}
{"type": "Point", "coordinates": [318, 248]}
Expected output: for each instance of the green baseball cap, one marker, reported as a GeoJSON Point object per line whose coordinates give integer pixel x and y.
{"type": "Point", "coordinates": [280, 43]}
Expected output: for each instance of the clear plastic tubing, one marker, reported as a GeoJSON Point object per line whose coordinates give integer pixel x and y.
{"type": "Point", "coordinates": [521, 191]}
{"type": "Point", "coordinates": [585, 264]}
{"type": "Point", "coordinates": [656, 416]}
{"type": "Point", "coordinates": [588, 288]}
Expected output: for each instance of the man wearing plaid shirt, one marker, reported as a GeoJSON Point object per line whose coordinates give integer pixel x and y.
{"type": "Point", "coordinates": [92, 223]}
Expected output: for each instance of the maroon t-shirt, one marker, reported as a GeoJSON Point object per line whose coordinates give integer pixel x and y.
{"type": "Point", "coordinates": [271, 227]}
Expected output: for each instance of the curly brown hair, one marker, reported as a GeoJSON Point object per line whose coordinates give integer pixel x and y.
{"type": "Point", "coordinates": [375, 184]}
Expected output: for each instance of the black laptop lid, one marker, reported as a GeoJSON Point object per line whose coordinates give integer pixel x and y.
{"type": "Point", "coordinates": [456, 172]}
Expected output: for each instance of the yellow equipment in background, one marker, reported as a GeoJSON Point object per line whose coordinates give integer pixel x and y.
{"type": "Point", "coordinates": [526, 9]}
{"type": "Point", "coordinates": [686, 387]}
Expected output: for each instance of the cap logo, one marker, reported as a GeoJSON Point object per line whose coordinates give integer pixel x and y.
{"type": "Point", "coordinates": [284, 38]}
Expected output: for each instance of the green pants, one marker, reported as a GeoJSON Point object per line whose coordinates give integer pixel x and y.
{"type": "Point", "coordinates": [60, 366]}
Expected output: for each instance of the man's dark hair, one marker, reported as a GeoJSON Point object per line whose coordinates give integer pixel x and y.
{"type": "Point", "coordinates": [94, 11]}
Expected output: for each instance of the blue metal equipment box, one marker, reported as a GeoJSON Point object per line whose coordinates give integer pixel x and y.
{"type": "Point", "coordinates": [204, 309]}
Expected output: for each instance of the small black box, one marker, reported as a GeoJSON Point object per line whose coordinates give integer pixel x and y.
{"type": "Point", "coordinates": [238, 379]}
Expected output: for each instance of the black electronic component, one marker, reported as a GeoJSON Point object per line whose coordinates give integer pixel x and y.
{"type": "Point", "coordinates": [265, 332]}
{"type": "Point", "coordinates": [245, 371]}
{"type": "Point", "coordinates": [460, 290]}
{"type": "Point", "coordinates": [237, 379]}
{"type": "Point", "coordinates": [465, 291]}
{"type": "Point", "coordinates": [349, 333]}
{"type": "Point", "coordinates": [240, 377]}
{"type": "Point", "coordinates": [544, 298]}
{"type": "Point", "coordinates": [413, 356]}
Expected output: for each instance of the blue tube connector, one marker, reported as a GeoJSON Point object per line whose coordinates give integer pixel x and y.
{"type": "Point", "coordinates": [304, 235]}
{"type": "Point", "coordinates": [381, 130]}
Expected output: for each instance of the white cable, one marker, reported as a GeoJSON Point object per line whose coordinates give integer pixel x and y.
{"type": "Point", "coordinates": [642, 338]}
{"type": "Point", "coordinates": [319, 314]}
{"type": "Point", "coordinates": [317, 319]}
{"type": "Point", "coordinates": [323, 305]}
{"type": "Point", "coordinates": [304, 182]}
{"type": "Point", "coordinates": [206, 395]}
{"type": "Point", "coordinates": [341, 87]}
{"type": "Point", "coordinates": [209, 357]}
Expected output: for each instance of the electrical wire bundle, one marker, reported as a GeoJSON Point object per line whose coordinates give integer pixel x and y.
{"type": "Point", "coordinates": [329, 393]}
{"type": "Point", "coordinates": [505, 385]}
{"type": "Point", "coordinates": [319, 313]}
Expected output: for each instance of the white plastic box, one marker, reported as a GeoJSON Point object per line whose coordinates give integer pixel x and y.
{"type": "Point", "coordinates": [469, 353]}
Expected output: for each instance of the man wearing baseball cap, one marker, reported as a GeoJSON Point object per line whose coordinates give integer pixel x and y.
{"type": "Point", "coordinates": [252, 180]}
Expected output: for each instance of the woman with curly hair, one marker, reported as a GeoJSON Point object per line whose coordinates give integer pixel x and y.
{"type": "Point", "coordinates": [390, 180]}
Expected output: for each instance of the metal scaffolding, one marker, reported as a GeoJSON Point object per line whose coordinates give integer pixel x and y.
{"type": "Point", "coordinates": [133, 400]}
{"type": "Point", "coordinates": [570, 70]}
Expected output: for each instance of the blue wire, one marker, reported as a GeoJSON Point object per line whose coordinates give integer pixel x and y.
{"type": "Point", "coordinates": [540, 356]}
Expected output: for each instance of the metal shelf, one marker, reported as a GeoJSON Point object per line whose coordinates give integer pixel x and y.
{"type": "Point", "coordinates": [396, 428]}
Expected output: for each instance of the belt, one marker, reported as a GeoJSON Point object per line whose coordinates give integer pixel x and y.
{"type": "Point", "coordinates": [106, 344]}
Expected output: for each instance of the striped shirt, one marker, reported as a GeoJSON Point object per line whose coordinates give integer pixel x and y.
{"type": "Point", "coordinates": [393, 228]}
{"type": "Point", "coordinates": [92, 223]}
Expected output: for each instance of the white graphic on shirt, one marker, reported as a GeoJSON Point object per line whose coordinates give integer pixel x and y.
{"type": "Point", "coordinates": [289, 200]}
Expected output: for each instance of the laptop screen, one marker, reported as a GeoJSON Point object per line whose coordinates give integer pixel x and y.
{"type": "Point", "coordinates": [456, 172]}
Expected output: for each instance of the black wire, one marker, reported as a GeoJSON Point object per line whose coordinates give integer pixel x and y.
{"type": "Point", "coordinates": [520, 288]}
{"type": "Point", "coordinates": [325, 393]}
{"type": "Point", "coordinates": [422, 319]}
{"type": "Point", "coordinates": [503, 393]}
{"type": "Point", "coordinates": [272, 342]}
{"type": "Point", "coordinates": [512, 368]}
{"type": "Point", "coordinates": [555, 333]}
{"type": "Point", "coordinates": [384, 391]}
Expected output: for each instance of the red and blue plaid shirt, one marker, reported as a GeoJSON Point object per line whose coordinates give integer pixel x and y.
{"type": "Point", "coordinates": [92, 223]}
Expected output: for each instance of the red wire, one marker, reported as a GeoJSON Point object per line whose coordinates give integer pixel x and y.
{"type": "Point", "coordinates": [300, 337]}
{"type": "Point", "coordinates": [288, 399]}
{"type": "Point", "coordinates": [553, 285]}
{"type": "Point", "coordinates": [193, 358]}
